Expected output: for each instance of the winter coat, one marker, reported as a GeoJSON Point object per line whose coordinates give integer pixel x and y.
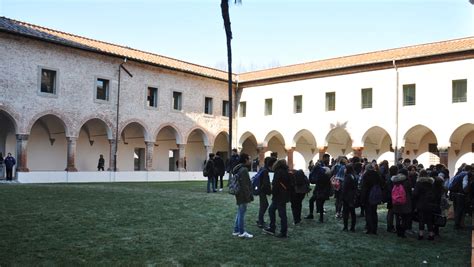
{"type": "Point", "coordinates": [369, 179]}
{"type": "Point", "coordinates": [234, 161]}
{"type": "Point", "coordinates": [424, 194]}
{"type": "Point", "coordinates": [349, 190]}
{"type": "Point", "coordinates": [403, 180]}
{"type": "Point", "coordinates": [9, 162]}
{"type": "Point", "coordinates": [210, 168]}
{"type": "Point", "coordinates": [265, 185]}
{"type": "Point", "coordinates": [245, 193]}
{"type": "Point", "coordinates": [219, 166]}
{"type": "Point", "coordinates": [439, 192]}
{"type": "Point", "coordinates": [280, 183]}
{"type": "Point", "coordinates": [323, 186]}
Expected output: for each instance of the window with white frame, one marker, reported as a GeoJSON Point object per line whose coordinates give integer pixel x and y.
{"type": "Point", "coordinates": [268, 106]}
{"type": "Point", "coordinates": [48, 81]}
{"type": "Point", "coordinates": [152, 97]}
{"type": "Point", "coordinates": [298, 104]}
{"type": "Point", "coordinates": [208, 105]}
{"type": "Point", "coordinates": [102, 89]}
{"type": "Point", "coordinates": [366, 98]}
{"type": "Point", "coordinates": [177, 100]}
{"type": "Point", "coordinates": [459, 91]}
{"type": "Point", "coordinates": [330, 101]}
{"type": "Point", "coordinates": [409, 94]}
{"type": "Point", "coordinates": [243, 109]}
{"type": "Point", "coordinates": [225, 108]}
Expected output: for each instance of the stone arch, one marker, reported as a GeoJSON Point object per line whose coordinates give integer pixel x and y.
{"type": "Point", "coordinates": [197, 144]}
{"type": "Point", "coordinates": [461, 150]}
{"type": "Point", "coordinates": [93, 140]}
{"type": "Point", "coordinates": [248, 144]}
{"type": "Point", "coordinates": [12, 116]}
{"type": "Point", "coordinates": [66, 123]}
{"type": "Point", "coordinates": [174, 130]}
{"type": "Point", "coordinates": [338, 142]}
{"type": "Point", "coordinates": [204, 134]}
{"type": "Point", "coordinates": [457, 137]}
{"type": "Point", "coordinates": [377, 144]}
{"type": "Point", "coordinates": [271, 135]}
{"type": "Point", "coordinates": [420, 142]}
{"type": "Point", "coordinates": [275, 142]}
{"type": "Point", "coordinates": [415, 135]}
{"type": "Point", "coordinates": [146, 132]}
{"type": "Point", "coordinates": [221, 143]}
{"type": "Point", "coordinates": [244, 137]}
{"type": "Point", "coordinates": [305, 149]}
{"type": "Point", "coordinates": [109, 125]}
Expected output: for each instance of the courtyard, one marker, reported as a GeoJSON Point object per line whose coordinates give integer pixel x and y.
{"type": "Point", "coordinates": [179, 224]}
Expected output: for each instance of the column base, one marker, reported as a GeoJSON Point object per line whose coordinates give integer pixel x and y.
{"type": "Point", "coordinates": [71, 169]}
{"type": "Point", "coordinates": [22, 169]}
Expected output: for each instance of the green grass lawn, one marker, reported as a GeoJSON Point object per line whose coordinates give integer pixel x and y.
{"type": "Point", "coordinates": [179, 224]}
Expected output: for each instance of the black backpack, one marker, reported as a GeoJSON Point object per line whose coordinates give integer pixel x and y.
{"type": "Point", "coordinates": [301, 183]}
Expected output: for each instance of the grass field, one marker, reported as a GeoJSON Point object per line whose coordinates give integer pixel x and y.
{"type": "Point", "coordinates": [178, 224]}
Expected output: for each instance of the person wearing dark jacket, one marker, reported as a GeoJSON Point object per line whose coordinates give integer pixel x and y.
{"type": "Point", "coordinates": [349, 194]}
{"type": "Point", "coordinates": [220, 170]}
{"type": "Point", "coordinates": [280, 196]}
{"type": "Point", "coordinates": [425, 203]}
{"type": "Point", "coordinates": [298, 190]}
{"type": "Point", "coordinates": [9, 162]}
{"type": "Point", "coordinates": [392, 172]}
{"type": "Point", "coordinates": [243, 196]}
{"type": "Point", "coordinates": [402, 212]}
{"type": "Point", "coordinates": [370, 179]}
{"type": "Point", "coordinates": [211, 173]}
{"type": "Point", "coordinates": [321, 192]}
{"type": "Point", "coordinates": [265, 190]}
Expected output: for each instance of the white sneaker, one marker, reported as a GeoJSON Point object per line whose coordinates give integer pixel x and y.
{"type": "Point", "coordinates": [235, 233]}
{"type": "Point", "coordinates": [246, 235]}
{"type": "Point", "coordinates": [220, 189]}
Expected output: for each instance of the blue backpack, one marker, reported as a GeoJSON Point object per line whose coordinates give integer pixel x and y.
{"type": "Point", "coordinates": [375, 195]}
{"type": "Point", "coordinates": [256, 188]}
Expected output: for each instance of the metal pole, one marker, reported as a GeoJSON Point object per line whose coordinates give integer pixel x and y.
{"type": "Point", "coordinates": [117, 122]}
{"type": "Point", "coordinates": [396, 114]}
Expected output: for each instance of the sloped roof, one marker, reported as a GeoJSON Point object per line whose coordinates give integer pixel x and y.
{"type": "Point", "coordinates": [409, 52]}
{"type": "Point", "coordinates": [38, 32]}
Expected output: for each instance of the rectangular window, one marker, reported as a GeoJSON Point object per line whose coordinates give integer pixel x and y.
{"type": "Point", "coordinates": [152, 97]}
{"type": "Point", "coordinates": [409, 94]}
{"type": "Point", "coordinates": [48, 81]}
{"type": "Point", "coordinates": [268, 106]}
{"type": "Point", "coordinates": [243, 109]}
{"type": "Point", "coordinates": [331, 101]}
{"type": "Point", "coordinates": [225, 108]}
{"type": "Point", "coordinates": [102, 91]}
{"type": "Point", "coordinates": [459, 91]}
{"type": "Point", "coordinates": [208, 105]}
{"type": "Point", "coordinates": [366, 98]}
{"type": "Point", "coordinates": [177, 101]}
{"type": "Point", "coordinates": [298, 104]}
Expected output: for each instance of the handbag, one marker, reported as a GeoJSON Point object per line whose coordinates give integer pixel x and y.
{"type": "Point", "coordinates": [439, 220]}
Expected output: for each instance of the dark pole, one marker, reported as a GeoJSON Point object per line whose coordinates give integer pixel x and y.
{"type": "Point", "coordinates": [118, 111]}
{"type": "Point", "coordinates": [226, 18]}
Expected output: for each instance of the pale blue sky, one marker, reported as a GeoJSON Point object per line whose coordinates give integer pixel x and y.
{"type": "Point", "coordinates": [266, 33]}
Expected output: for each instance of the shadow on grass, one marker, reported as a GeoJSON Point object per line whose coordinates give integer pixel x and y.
{"type": "Point", "coordinates": [177, 223]}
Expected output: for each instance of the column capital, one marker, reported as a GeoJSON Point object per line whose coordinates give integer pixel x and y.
{"type": "Point", "coordinates": [443, 148]}
{"type": "Point", "coordinates": [22, 137]}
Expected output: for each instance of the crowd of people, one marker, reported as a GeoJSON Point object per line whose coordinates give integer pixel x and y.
{"type": "Point", "coordinates": [412, 194]}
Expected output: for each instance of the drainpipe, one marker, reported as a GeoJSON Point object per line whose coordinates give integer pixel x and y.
{"type": "Point", "coordinates": [396, 111]}
{"type": "Point", "coordinates": [118, 110]}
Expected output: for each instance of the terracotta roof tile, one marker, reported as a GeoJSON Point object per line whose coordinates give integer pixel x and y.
{"type": "Point", "coordinates": [409, 52]}
{"type": "Point", "coordinates": [30, 30]}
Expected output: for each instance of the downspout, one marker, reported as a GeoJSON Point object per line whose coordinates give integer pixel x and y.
{"type": "Point", "coordinates": [396, 154]}
{"type": "Point", "coordinates": [236, 108]}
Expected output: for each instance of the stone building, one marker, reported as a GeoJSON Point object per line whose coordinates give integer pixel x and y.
{"type": "Point", "coordinates": [61, 96]}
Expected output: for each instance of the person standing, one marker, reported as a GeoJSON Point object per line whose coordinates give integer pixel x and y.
{"type": "Point", "coordinates": [243, 196]}
{"type": "Point", "coordinates": [348, 196]}
{"type": "Point", "coordinates": [371, 184]}
{"type": "Point", "coordinates": [280, 196]}
{"type": "Point", "coordinates": [211, 173]}
{"type": "Point", "coordinates": [101, 163]}
{"type": "Point", "coordinates": [9, 162]}
{"type": "Point", "coordinates": [400, 201]}
{"type": "Point", "coordinates": [220, 170]}
{"type": "Point", "coordinates": [265, 190]}
{"type": "Point", "coordinates": [425, 202]}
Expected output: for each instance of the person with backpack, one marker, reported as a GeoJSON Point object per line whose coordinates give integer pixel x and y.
{"type": "Point", "coordinates": [220, 170]}
{"type": "Point", "coordinates": [425, 203]}
{"type": "Point", "coordinates": [400, 200]}
{"type": "Point", "coordinates": [280, 196]}
{"type": "Point", "coordinates": [265, 190]}
{"type": "Point", "coordinates": [458, 186]}
{"type": "Point", "coordinates": [371, 197]}
{"type": "Point", "coordinates": [243, 196]}
{"type": "Point", "coordinates": [392, 174]}
{"type": "Point", "coordinates": [299, 188]}
{"type": "Point", "coordinates": [210, 173]}
{"type": "Point", "coordinates": [349, 195]}
{"type": "Point", "coordinates": [336, 181]}
{"type": "Point", "coordinates": [321, 177]}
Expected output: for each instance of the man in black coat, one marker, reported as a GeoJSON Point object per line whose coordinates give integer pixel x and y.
{"type": "Point", "coordinates": [370, 179]}
{"type": "Point", "coordinates": [220, 170]}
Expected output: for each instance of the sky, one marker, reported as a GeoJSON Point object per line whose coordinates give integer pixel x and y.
{"type": "Point", "coordinates": [266, 33]}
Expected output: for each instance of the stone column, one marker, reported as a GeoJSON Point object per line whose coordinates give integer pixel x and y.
{"type": "Point", "coordinates": [149, 155]}
{"type": "Point", "coordinates": [322, 151]}
{"type": "Point", "coordinates": [208, 151]}
{"type": "Point", "coordinates": [357, 151]}
{"type": "Point", "coordinates": [261, 155]}
{"type": "Point", "coordinates": [21, 156]}
{"type": "Point", "coordinates": [443, 155]}
{"type": "Point", "coordinates": [181, 155]}
{"type": "Point", "coordinates": [71, 154]}
{"type": "Point", "coordinates": [111, 155]}
{"type": "Point", "coordinates": [289, 154]}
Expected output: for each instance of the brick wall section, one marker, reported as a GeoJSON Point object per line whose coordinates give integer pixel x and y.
{"type": "Point", "coordinates": [74, 102]}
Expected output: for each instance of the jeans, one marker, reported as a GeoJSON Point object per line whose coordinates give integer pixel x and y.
{"type": "Point", "coordinates": [338, 196]}
{"type": "Point", "coordinates": [240, 218]}
{"type": "Point", "coordinates": [217, 181]}
{"type": "Point", "coordinates": [425, 217]}
{"type": "Point", "coordinates": [346, 210]}
{"type": "Point", "coordinates": [9, 174]}
{"type": "Point", "coordinates": [210, 182]}
{"type": "Point", "coordinates": [320, 208]}
{"type": "Point", "coordinates": [263, 208]}
{"type": "Point", "coordinates": [296, 206]}
{"type": "Point", "coordinates": [402, 222]}
{"type": "Point", "coordinates": [459, 209]}
{"type": "Point", "coordinates": [312, 199]}
{"type": "Point", "coordinates": [390, 216]}
{"type": "Point", "coordinates": [281, 207]}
